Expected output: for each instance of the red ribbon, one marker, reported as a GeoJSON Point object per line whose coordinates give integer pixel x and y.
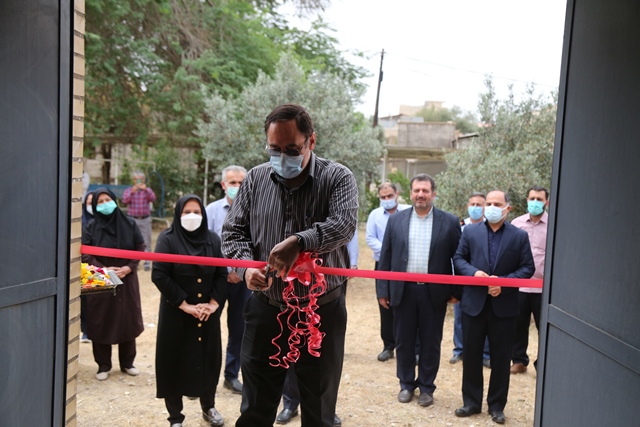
{"type": "Point", "coordinates": [306, 328]}
{"type": "Point", "coordinates": [348, 272]}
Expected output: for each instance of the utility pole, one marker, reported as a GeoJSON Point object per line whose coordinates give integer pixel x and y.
{"type": "Point", "coordinates": [375, 115]}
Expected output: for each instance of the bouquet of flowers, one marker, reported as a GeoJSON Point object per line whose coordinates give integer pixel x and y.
{"type": "Point", "coordinates": [97, 279]}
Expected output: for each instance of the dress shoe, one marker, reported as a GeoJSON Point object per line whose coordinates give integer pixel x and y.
{"type": "Point", "coordinates": [486, 363]}
{"type": "Point", "coordinates": [467, 411]}
{"type": "Point", "coordinates": [234, 385]}
{"type": "Point", "coordinates": [455, 359]}
{"type": "Point", "coordinates": [385, 355]}
{"type": "Point", "coordinates": [425, 399]}
{"type": "Point", "coordinates": [285, 416]}
{"type": "Point", "coordinates": [405, 396]}
{"type": "Point", "coordinates": [337, 422]}
{"type": "Point", "coordinates": [518, 368]}
{"type": "Point", "coordinates": [497, 417]}
{"type": "Point", "coordinates": [176, 425]}
{"type": "Point", "coordinates": [131, 371]}
{"type": "Point", "coordinates": [213, 417]}
{"type": "Point", "coordinates": [101, 376]}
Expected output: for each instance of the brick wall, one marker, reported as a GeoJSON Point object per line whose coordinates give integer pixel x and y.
{"type": "Point", "coordinates": [76, 211]}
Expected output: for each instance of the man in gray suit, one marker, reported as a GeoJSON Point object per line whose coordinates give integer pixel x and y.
{"type": "Point", "coordinates": [418, 240]}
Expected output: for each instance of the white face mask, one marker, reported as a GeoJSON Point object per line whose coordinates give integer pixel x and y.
{"type": "Point", "coordinates": [191, 222]}
{"type": "Point", "coordinates": [90, 209]}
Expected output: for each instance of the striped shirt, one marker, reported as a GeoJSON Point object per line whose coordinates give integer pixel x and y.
{"type": "Point", "coordinates": [323, 211]}
{"type": "Point", "coordinates": [419, 242]}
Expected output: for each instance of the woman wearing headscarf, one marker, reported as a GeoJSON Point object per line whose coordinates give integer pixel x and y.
{"type": "Point", "coordinates": [188, 345]}
{"type": "Point", "coordinates": [87, 216]}
{"type": "Point", "coordinates": [113, 319]}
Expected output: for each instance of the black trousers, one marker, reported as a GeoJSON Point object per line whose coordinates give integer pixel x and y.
{"type": "Point", "coordinates": [102, 355]}
{"type": "Point", "coordinates": [529, 303]}
{"type": "Point", "coordinates": [386, 325]}
{"type": "Point", "coordinates": [235, 298]}
{"type": "Point", "coordinates": [318, 377]}
{"type": "Point", "coordinates": [174, 405]}
{"type": "Point", "coordinates": [416, 321]}
{"type": "Point", "coordinates": [500, 331]}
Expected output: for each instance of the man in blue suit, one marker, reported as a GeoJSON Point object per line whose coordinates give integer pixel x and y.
{"type": "Point", "coordinates": [418, 240]}
{"type": "Point", "coordinates": [494, 248]}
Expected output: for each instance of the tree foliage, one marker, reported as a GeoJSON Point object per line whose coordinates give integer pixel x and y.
{"type": "Point", "coordinates": [147, 61]}
{"type": "Point", "coordinates": [513, 152]}
{"type": "Point", "coordinates": [234, 128]}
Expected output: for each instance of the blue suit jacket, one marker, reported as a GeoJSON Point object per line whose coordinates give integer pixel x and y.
{"type": "Point", "coordinates": [394, 254]}
{"type": "Point", "coordinates": [514, 260]}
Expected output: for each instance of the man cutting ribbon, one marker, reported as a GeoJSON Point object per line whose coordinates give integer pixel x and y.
{"type": "Point", "coordinates": [296, 202]}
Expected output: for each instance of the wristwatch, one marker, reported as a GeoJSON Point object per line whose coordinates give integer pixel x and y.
{"type": "Point", "coordinates": [300, 242]}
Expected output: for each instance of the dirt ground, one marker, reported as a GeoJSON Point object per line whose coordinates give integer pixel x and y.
{"type": "Point", "coordinates": [368, 389]}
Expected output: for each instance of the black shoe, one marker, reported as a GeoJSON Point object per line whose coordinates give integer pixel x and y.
{"type": "Point", "coordinates": [497, 417]}
{"type": "Point", "coordinates": [285, 416]}
{"type": "Point", "coordinates": [425, 399]}
{"type": "Point", "coordinates": [213, 417]}
{"type": "Point", "coordinates": [455, 359]}
{"type": "Point", "coordinates": [467, 411]}
{"type": "Point", "coordinates": [385, 355]}
{"type": "Point", "coordinates": [405, 396]}
{"type": "Point", "coordinates": [234, 385]}
{"type": "Point", "coordinates": [486, 363]}
{"type": "Point", "coordinates": [337, 422]}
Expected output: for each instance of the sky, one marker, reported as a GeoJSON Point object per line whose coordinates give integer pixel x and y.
{"type": "Point", "coordinates": [441, 50]}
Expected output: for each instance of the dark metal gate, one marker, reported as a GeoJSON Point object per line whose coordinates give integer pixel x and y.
{"type": "Point", "coordinates": [35, 105]}
{"type": "Point", "coordinates": [590, 340]}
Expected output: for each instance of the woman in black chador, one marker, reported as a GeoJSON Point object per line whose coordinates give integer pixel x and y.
{"type": "Point", "coordinates": [188, 347]}
{"type": "Point", "coordinates": [113, 319]}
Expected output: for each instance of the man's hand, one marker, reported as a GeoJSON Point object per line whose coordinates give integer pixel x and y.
{"type": "Point", "coordinates": [256, 279]}
{"type": "Point", "coordinates": [384, 302]}
{"type": "Point", "coordinates": [494, 291]}
{"type": "Point", "coordinates": [453, 300]}
{"type": "Point", "coordinates": [480, 273]}
{"type": "Point", "coordinates": [233, 277]}
{"type": "Point", "coordinates": [283, 255]}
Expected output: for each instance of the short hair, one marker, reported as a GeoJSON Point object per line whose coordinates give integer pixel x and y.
{"type": "Point", "coordinates": [232, 168]}
{"type": "Point", "coordinates": [478, 194]}
{"type": "Point", "coordinates": [387, 184]}
{"type": "Point", "coordinates": [423, 177]}
{"type": "Point", "coordinates": [138, 173]}
{"type": "Point", "coordinates": [286, 112]}
{"type": "Point", "coordinates": [507, 199]}
{"type": "Point", "coordinates": [539, 188]}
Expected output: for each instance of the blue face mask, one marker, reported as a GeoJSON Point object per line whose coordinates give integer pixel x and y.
{"type": "Point", "coordinates": [287, 167]}
{"type": "Point", "coordinates": [493, 214]}
{"type": "Point", "coordinates": [388, 204]}
{"type": "Point", "coordinates": [535, 207]}
{"type": "Point", "coordinates": [107, 208]}
{"type": "Point", "coordinates": [475, 212]}
{"type": "Point", "coordinates": [232, 192]}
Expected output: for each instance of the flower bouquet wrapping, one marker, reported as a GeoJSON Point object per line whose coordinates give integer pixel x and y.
{"type": "Point", "coordinates": [97, 279]}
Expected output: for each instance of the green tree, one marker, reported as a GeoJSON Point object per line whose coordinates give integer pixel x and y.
{"type": "Point", "coordinates": [465, 121]}
{"type": "Point", "coordinates": [234, 129]}
{"type": "Point", "coordinates": [148, 60]}
{"type": "Point", "coordinates": [513, 152]}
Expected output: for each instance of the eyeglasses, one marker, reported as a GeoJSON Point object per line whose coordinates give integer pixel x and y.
{"type": "Point", "coordinates": [289, 152]}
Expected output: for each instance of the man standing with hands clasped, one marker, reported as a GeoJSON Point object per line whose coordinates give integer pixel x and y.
{"type": "Point", "coordinates": [494, 248]}
{"type": "Point", "coordinates": [296, 202]}
{"type": "Point", "coordinates": [419, 240]}
{"type": "Point", "coordinates": [530, 299]}
{"type": "Point", "coordinates": [376, 225]}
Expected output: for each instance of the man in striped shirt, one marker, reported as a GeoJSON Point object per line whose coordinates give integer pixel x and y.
{"type": "Point", "coordinates": [296, 202]}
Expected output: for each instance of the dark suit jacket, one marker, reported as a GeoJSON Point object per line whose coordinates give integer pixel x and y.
{"type": "Point", "coordinates": [514, 261]}
{"type": "Point", "coordinates": [394, 255]}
